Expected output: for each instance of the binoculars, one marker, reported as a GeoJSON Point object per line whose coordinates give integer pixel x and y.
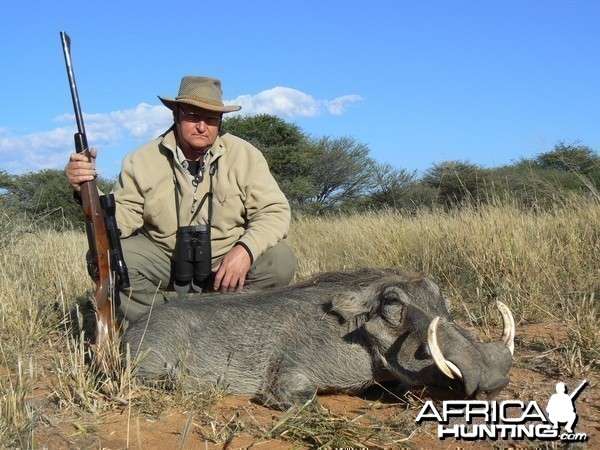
{"type": "Point", "coordinates": [192, 258]}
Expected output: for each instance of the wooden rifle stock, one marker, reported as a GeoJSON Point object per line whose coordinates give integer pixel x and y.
{"type": "Point", "coordinates": [99, 262]}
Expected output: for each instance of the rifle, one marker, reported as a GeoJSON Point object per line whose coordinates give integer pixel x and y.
{"type": "Point", "coordinates": [576, 392]}
{"type": "Point", "coordinates": [105, 253]}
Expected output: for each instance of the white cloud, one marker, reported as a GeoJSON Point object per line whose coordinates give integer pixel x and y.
{"type": "Point", "coordinates": [279, 101]}
{"type": "Point", "coordinates": [145, 121]}
{"type": "Point", "coordinates": [289, 103]}
{"type": "Point", "coordinates": [50, 149]}
{"type": "Point", "coordinates": [338, 105]}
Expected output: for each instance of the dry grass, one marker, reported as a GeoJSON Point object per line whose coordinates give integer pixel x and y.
{"type": "Point", "coordinates": [530, 260]}
{"type": "Point", "coordinates": [544, 264]}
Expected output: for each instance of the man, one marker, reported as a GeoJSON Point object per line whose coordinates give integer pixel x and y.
{"type": "Point", "coordinates": [195, 175]}
{"type": "Point", "coordinates": [560, 408]}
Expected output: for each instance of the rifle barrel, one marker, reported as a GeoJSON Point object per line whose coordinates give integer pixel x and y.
{"type": "Point", "coordinates": [578, 389]}
{"type": "Point", "coordinates": [66, 45]}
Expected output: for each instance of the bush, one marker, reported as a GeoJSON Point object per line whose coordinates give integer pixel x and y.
{"type": "Point", "coordinates": [42, 199]}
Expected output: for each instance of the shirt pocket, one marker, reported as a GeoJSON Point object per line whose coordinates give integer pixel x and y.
{"type": "Point", "coordinates": [159, 209]}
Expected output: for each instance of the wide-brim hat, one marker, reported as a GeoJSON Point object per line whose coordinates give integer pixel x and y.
{"type": "Point", "coordinates": [203, 92]}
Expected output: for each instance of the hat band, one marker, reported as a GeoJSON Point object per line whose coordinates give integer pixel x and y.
{"type": "Point", "coordinates": [199, 99]}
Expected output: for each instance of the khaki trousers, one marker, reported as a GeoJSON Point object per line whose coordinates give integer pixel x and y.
{"type": "Point", "coordinates": [151, 274]}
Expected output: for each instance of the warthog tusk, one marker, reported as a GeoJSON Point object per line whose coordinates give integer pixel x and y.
{"type": "Point", "coordinates": [447, 367]}
{"type": "Point", "coordinates": [508, 334]}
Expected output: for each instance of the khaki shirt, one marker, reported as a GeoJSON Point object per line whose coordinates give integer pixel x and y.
{"type": "Point", "coordinates": [248, 206]}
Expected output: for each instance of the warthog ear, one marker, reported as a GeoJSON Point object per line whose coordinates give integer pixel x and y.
{"type": "Point", "coordinates": [394, 293]}
{"type": "Point", "coordinates": [351, 304]}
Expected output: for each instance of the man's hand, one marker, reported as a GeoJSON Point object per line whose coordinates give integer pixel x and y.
{"type": "Point", "coordinates": [81, 169]}
{"type": "Point", "coordinates": [232, 270]}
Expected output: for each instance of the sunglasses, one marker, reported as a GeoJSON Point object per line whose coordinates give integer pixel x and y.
{"type": "Point", "coordinates": [194, 117]}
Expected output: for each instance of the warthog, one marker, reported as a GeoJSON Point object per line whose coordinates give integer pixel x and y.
{"type": "Point", "coordinates": [337, 331]}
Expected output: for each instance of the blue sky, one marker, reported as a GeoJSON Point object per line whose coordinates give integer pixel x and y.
{"type": "Point", "coordinates": [419, 82]}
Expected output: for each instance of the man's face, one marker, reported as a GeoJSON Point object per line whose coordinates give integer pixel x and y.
{"type": "Point", "coordinates": [198, 128]}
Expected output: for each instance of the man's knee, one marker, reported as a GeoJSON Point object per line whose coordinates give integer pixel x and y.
{"type": "Point", "coordinates": [274, 268]}
{"type": "Point", "coordinates": [285, 264]}
{"type": "Point", "coordinates": [149, 272]}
